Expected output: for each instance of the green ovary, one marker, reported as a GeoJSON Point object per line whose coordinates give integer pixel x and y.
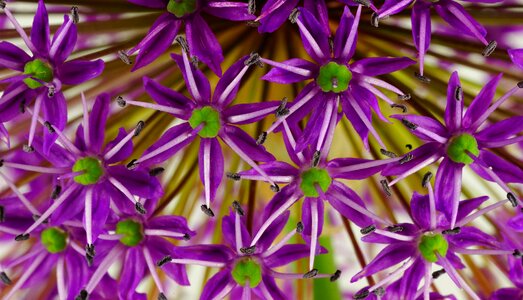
{"type": "Point", "coordinates": [210, 119]}
{"type": "Point", "coordinates": [334, 77]}
{"type": "Point", "coordinates": [54, 239]}
{"type": "Point", "coordinates": [314, 176]}
{"type": "Point", "coordinates": [431, 244]}
{"type": "Point", "coordinates": [131, 232]}
{"type": "Point", "coordinates": [37, 69]}
{"type": "Point", "coordinates": [181, 8]}
{"type": "Point", "coordinates": [458, 147]}
{"type": "Point", "coordinates": [247, 269]}
{"type": "Point", "coordinates": [91, 168]}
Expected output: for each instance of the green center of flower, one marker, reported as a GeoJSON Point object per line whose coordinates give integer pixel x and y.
{"type": "Point", "coordinates": [181, 8]}
{"type": "Point", "coordinates": [91, 168]}
{"type": "Point", "coordinates": [210, 119]}
{"type": "Point", "coordinates": [54, 239]}
{"type": "Point", "coordinates": [247, 269]}
{"type": "Point", "coordinates": [37, 69]}
{"type": "Point", "coordinates": [314, 176]}
{"type": "Point", "coordinates": [431, 244]}
{"type": "Point", "coordinates": [334, 77]}
{"type": "Point", "coordinates": [458, 147]}
{"type": "Point", "coordinates": [131, 232]}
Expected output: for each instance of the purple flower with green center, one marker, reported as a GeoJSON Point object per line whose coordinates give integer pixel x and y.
{"type": "Point", "coordinates": [249, 269]}
{"type": "Point", "coordinates": [43, 73]}
{"type": "Point", "coordinates": [315, 179]}
{"type": "Point", "coordinates": [334, 80]}
{"type": "Point", "coordinates": [425, 242]}
{"type": "Point", "coordinates": [516, 55]}
{"type": "Point", "coordinates": [201, 39]}
{"type": "Point", "coordinates": [138, 241]}
{"type": "Point", "coordinates": [206, 117]}
{"type": "Point", "coordinates": [87, 175]}
{"type": "Point", "coordinates": [449, 10]}
{"type": "Point", "coordinates": [463, 140]}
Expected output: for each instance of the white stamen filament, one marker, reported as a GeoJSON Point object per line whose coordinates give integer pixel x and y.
{"type": "Point", "coordinates": [292, 69]}
{"type": "Point", "coordinates": [152, 269]}
{"type": "Point", "coordinates": [395, 236]}
{"type": "Point", "coordinates": [238, 233]}
{"type": "Point", "coordinates": [163, 232]}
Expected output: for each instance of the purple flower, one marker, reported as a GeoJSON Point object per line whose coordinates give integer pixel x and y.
{"type": "Point", "coordinates": [138, 241]}
{"type": "Point", "coordinates": [201, 39]}
{"type": "Point", "coordinates": [86, 175]}
{"type": "Point", "coordinates": [334, 82]}
{"type": "Point", "coordinates": [315, 179]}
{"type": "Point", "coordinates": [247, 268]}
{"type": "Point", "coordinates": [462, 142]}
{"type": "Point", "coordinates": [43, 73]}
{"type": "Point", "coordinates": [209, 118]}
{"type": "Point", "coordinates": [449, 10]}
{"type": "Point", "coordinates": [428, 240]}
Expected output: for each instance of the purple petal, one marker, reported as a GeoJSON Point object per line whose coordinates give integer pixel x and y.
{"type": "Point", "coordinates": [392, 7]}
{"type": "Point", "coordinates": [454, 109]}
{"type": "Point", "coordinates": [229, 229]}
{"type": "Point", "coordinates": [457, 17]}
{"type": "Point", "coordinates": [428, 123]}
{"type": "Point", "coordinates": [4, 136]}
{"type": "Point", "coordinates": [247, 144]}
{"type": "Point", "coordinates": [356, 174]}
{"type": "Point", "coordinates": [150, 3]}
{"type": "Point", "coordinates": [158, 39]}
{"type": "Point", "coordinates": [447, 186]}
{"type": "Point", "coordinates": [77, 272]}
{"type": "Point", "coordinates": [364, 95]}
{"type": "Point", "coordinates": [70, 208]}
{"type": "Point", "coordinates": [220, 282]}
{"type": "Point", "coordinates": [280, 198]}
{"type": "Point", "coordinates": [101, 210]}
{"type": "Point", "coordinates": [374, 66]}
{"type": "Point", "coordinates": [12, 57]}
{"type": "Point", "coordinates": [388, 257]}
{"type": "Point", "coordinates": [274, 17]}
{"type": "Point", "coordinates": [411, 279]}
{"type": "Point", "coordinates": [209, 253]}
{"type": "Point", "coordinates": [125, 151]}
{"type": "Point", "coordinates": [500, 131]}
{"type": "Point", "coordinates": [343, 33]}
{"type": "Point", "coordinates": [11, 99]}
{"type": "Point", "coordinates": [516, 55]}
{"type": "Point", "coordinates": [481, 103]}
{"type": "Point", "coordinates": [313, 37]}
{"type": "Point", "coordinates": [237, 12]}
{"type": "Point", "coordinates": [421, 27]}
{"type": "Point", "coordinates": [40, 30]}
{"type": "Point", "coordinates": [272, 288]}
{"type": "Point", "coordinates": [138, 182]}
{"type": "Point", "coordinates": [171, 223]}
{"type": "Point", "coordinates": [471, 236]}
{"type": "Point", "coordinates": [97, 121]}
{"type": "Point", "coordinates": [159, 249]}
{"type": "Point", "coordinates": [273, 169]}
{"type": "Point", "coordinates": [167, 97]}
{"type": "Point", "coordinates": [319, 10]}
{"type": "Point", "coordinates": [420, 210]}
{"type": "Point", "coordinates": [419, 155]}
{"type": "Point", "coordinates": [227, 87]}
{"type": "Point", "coordinates": [55, 112]}
{"type": "Point", "coordinates": [408, 230]}
{"type": "Point", "coordinates": [272, 232]}
{"type": "Point", "coordinates": [210, 161]}
{"type": "Point", "coordinates": [202, 87]}
{"type": "Point", "coordinates": [283, 76]}
{"type": "Point", "coordinates": [57, 156]}
{"type": "Point", "coordinates": [345, 210]}
{"type": "Point", "coordinates": [133, 271]}
{"type": "Point", "coordinates": [78, 71]}
{"type": "Point", "coordinates": [516, 222]}
{"type": "Point", "coordinates": [355, 119]}
{"type": "Point", "coordinates": [65, 45]}
{"type": "Point", "coordinates": [168, 136]}
{"type": "Point", "coordinates": [44, 271]}
{"type": "Point", "coordinates": [203, 43]}
{"type": "Point", "coordinates": [306, 216]}
{"type": "Point", "coordinates": [467, 206]}
{"type": "Point", "coordinates": [248, 113]}
{"type": "Point", "coordinates": [286, 255]}
{"type": "Point", "coordinates": [508, 172]}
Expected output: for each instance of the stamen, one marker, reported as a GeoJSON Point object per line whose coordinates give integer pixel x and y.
{"type": "Point", "coordinates": [183, 43]}
{"type": "Point", "coordinates": [517, 253]}
{"type": "Point", "coordinates": [316, 158]}
{"type": "Point", "coordinates": [133, 164]}
{"type": "Point", "coordinates": [350, 42]}
{"type": "Point", "coordinates": [22, 106]}
{"type": "Point", "coordinates": [438, 273]}
{"type": "Point", "coordinates": [404, 97]}
{"type": "Point", "coordinates": [293, 17]}
{"type": "Point", "coordinates": [299, 227]}
{"type": "Point", "coordinates": [409, 124]}
{"type": "Point", "coordinates": [357, 108]}
{"type": "Point", "coordinates": [22, 237]}
{"type": "Point", "coordinates": [119, 186]}
{"type": "Point", "coordinates": [426, 179]}
{"type": "Point", "coordinates": [365, 3]}
{"type": "Point", "coordinates": [329, 114]}
{"type": "Point", "coordinates": [82, 296]}
{"type": "Point", "coordinates": [186, 237]}
{"type": "Point", "coordinates": [272, 249]}
{"type": "Point", "coordinates": [454, 275]}
{"type": "Point", "coordinates": [26, 274]}
{"type": "Point", "coordinates": [170, 110]}
{"type": "Point", "coordinates": [57, 42]}
{"type": "Point", "coordinates": [520, 84]}
{"type": "Point", "coordinates": [238, 234]}
{"type": "Point", "coordinates": [379, 291]}
{"type": "Point", "coordinates": [19, 194]}
{"type": "Point", "coordinates": [125, 140]}
{"type": "Point", "coordinates": [3, 4]}
{"type": "Point", "coordinates": [360, 209]}
{"type": "Point", "coordinates": [401, 106]}
{"type": "Point", "coordinates": [282, 110]}
{"type": "Point", "coordinates": [432, 203]}
{"type": "Point", "coordinates": [311, 274]}
{"type": "Point", "coordinates": [139, 208]}
{"type": "Point", "coordinates": [481, 212]}
{"type": "Point", "coordinates": [139, 128]}
{"type": "Point", "coordinates": [121, 101]}
{"type": "Point", "coordinates": [89, 216]}
{"type": "Point", "coordinates": [204, 263]}
{"type": "Point", "coordinates": [408, 146]}
{"type": "Point", "coordinates": [89, 253]}
{"type": "Point", "coordinates": [453, 231]}
{"type": "Point", "coordinates": [314, 227]}
{"type": "Point", "coordinates": [100, 272]}
{"type": "Point", "coordinates": [254, 59]}
{"type": "Point", "coordinates": [51, 91]}
{"type": "Point", "coordinates": [512, 199]}
{"type": "Point", "coordinates": [406, 159]}
{"type": "Point", "coordinates": [374, 21]}
{"type": "Point", "coordinates": [368, 229]}
{"type": "Point", "coordinates": [248, 250]}
{"type": "Point", "coordinates": [152, 270]}
{"type": "Point", "coordinates": [237, 207]}
{"type": "Point", "coordinates": [207, 210]}
{"type": "Point", "coordinates": [421, 78]}
{"type": "Point", "coordinates": [335, 276]}
{"type": "Point", "coordinates": [18, 29]}
{"type": "Point", "coordinates": [2, 214]}
{"type": "Point", "coordinates": [251, 7]}
{"type": "Point", "coordinates": [489, 49]}
{"type": "Point", "coordinates": [233, 176]}
{"type": "Point", "coordinates": [261, 138]}
{"type": "Point", "coordinates": [28, 148]}
{"type": "Point", "coordinates": [124, 57]}
{"type": "Point", "coordinates": [275, 188]}
{"type": "Point", "coordinates": [166, 146]}
{"type": "Point", "coordinates": [396, 236]}
{"type": "Point", "coordinates": [164, 260]}
{"type": "Point", "coordinates": [162, 296]}
{"type": "Point", "coordinates": [394, 228]}
{"type": "Point", "coordinates": [3, 276]}
{"type": "Point", "coordinates": [364, 293]}
{"type": "Point", "coordinates": [458, 94]}
{"type": "Point", "coordinates": [60, 279]}
{"type": "Point", "coordinates": [413, 169]}
{"type": "Point", "coordinates": [34, 121]}
{"type": "Point", "coordinates": [156, 171]}
{"type": "Point", "coordinates": [386, 188]}
{"type": "Point", "coordinates": [75, 15]}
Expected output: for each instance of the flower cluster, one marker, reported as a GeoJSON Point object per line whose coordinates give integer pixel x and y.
{"type": "Point", "coordinates": [99, 194]}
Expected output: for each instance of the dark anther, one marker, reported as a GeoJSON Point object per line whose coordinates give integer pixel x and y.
{"type": "Point", "coordinates": [316, 158]}
{"type": "Point", "coordinates": [56, 192]}
{"type": "Point", "coordinates": [186, 237]}
{"type": "Point", "coordinates": [311, 274]}
{"type": "Point", "coordinates": [161, 296]}
{"type": "Point", "coordinates": [139, 208]}
{"type": "Point", "coordinates": [124, 57]}
{"type": "Point", "coordinates": [409, 124]}
{"type": "Point", "coordinates": [520, 84]}
{"type": "Point", "coordinates": [394, 228]}
{"type": "Point", "coordinates": [275, 188]}
{"type": "Point", "coordinates": [490, 48]}
{"type": "Point", "coordinates": [132, 164]}
{"type": "Point", "coordinates": [36, 217]}
{"type": "Point", "coordinates": [207, 210]}
{"type": "Point", "coordinates": [5, 279]}
{"type": "Point", "coordinates": [139, 128]}
{"type": "Point", "coordinates": [82, 296]}
{"type": "Point", "coordinates": [374, 20]}
{"type": "Point", "coordinates": [386, 188]}
{"type": "Point", "coordinates": [22, 106]}
{"type": "Point", "coordinates": [22, 237]}
{"type": "Point", "coordinates": [89, 250]}
{"type": "Point", "coordinates": [512, 199]}
{"type": "Point", "coordinates": [438, 273]}
{"type": "Point", "coordinates": [293, 17]}
{"type": "Point", "coordinates": [426, 179]}
{"type": "Point", "coordinates": [248, 250]}
{"type": "Point", "coordinates": [282, 110]}
{"type": "Point", "coordinates": [254, 59]}
{"type": "Point", "coordinates": [331, 44]}
{"type": "Point", "coordinates": [365, 3]}
{"type": "Point", "coordinates": [75, 16]}
{"type": "Point", "coordinates": [2, 4]}
{"type": "Point", "coordinates": [361, 294]}
{"type": "Point", "coordinates": [335, 276]}
{"type": "Point", "coordinates": [408, 157]}
{"type": "Point", "coordinates": [183, 43]}
{"type": "Point", "coordinates": [2, 214]}
{"type": "Point", "coordinates": [409, 146]}
{"type": "Point", "coordinates": [164, 260]}
{"type": "Point", "coordinates": [28, 149]}
{"type": "Point", "coordinates": [517, 253]}
{"type": "Point", "coordinates": [452, 231]}
{"type": "Point", "coordinates": [1, 163]}
{"type": "Point", "coordinates": [379, 291]}
{"type": "Point", "coordinates": [156, 171]}
{"type": "Point", "coordinates": [261, 138]}
{"type": "Point", "coordinates": [253, 24]}
{"type": "Point", "coordinates": [401, 106]}
{"type": "Point", "coordinates": [51, 91]}
{"type": "Point", "coordinates": [299, 227]}
{"type": "Point", "coordinates": [195, 61]}
{"type": "Point", "coordinates": [233, 176]}
{"type": "Point", "coordinates": [458, 93]}
{"type": "Point", "coordinates": [404, 97]}
{"type": "Point", "coordinates": [121, 102]}
{"type": "Point", "coordinates": [238, 208]}
{"type": "Point", "coordinates": [49, 127]}
{"type": "Point", "coordinates": [388, 153]}
{"type": "Point", "coordinates": [422, 78]}
{"type": "Point", "coordinates": [251, 8]}
{"type": "Point", "coordinates": [368, 229]}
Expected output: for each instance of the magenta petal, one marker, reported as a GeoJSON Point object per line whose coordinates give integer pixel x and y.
{"type": "Point", "coordinates": [272, 288]}
{"type": "Point", "coordinates": [374, 66]}
{"type": "Point", "coordinates": [355, 119]}
{"type": "Point", "coordinates": [411, 279]}
{"type": "Point", "coordinates": [203, 43]}
{"type": "Point", "coordinates": [357, 174]}
{"type": "Point", "coordinates": [40, 30]}
{"type": "Point", "coordinates": [170, 223]}
{"type": "Point", "coordinates": [392, 7]}
{"type": "Point", "coordinates": [481, 103]}
{"type": "Point", "coordinates": [12, 57]}
{"type": "Point", "coordinates": [267, 239]}
{"type": "Point", "coordinates": [500, 131]}
{"type": "Point", "coordinates": [457, 17]}
{"type": "Point", "coordinates": [507, 293]}
{"type": "Point", "coordinates": [471, 236]}
{"type": "Point", "coordinates": [97, 121]}
{"type": "Point", "coordinates": [348, 212]}
{"type": "Point", "coordinates": [306, 218]}
{"type": "Point", "coordinates": [313, 37]}
{"type": "Point", "coordinates": [234, 11]}
{"type": "Point", "coordinates": [78, 71]}
{"type": "Point", "coordinates": [454, 109]}
{"type": "Point", "coordinates": [283, 76]}
{"type": "Point", "coordinates": [167, 97]}
{"type": "Point", "coordinates": [247, 113]}
{"type": "Point", "coordinates": [4, 136]}
{"type": "Point", "coordinates": [467, 206]}
{"type": "Point", "coordinates": [421, 27]}
{"type": "Point", "coordinates": [280, 198]}
{"type": "Point", "coordinates": [516, 55]}
{"type": "Point", "coordinates": [216, 285]}
{"type": "Point", "coordinates": [420, 210]}
{"type": "Point", "coordinates": [274, 17]}
{"type": "Point", "coordinates": [210, 162]}
{"type": "Point", "coordinates": [428, 123]}
{"type": "Point", "coordinates": [10, 101]}
{"type": "Point", "coordinates": [124, 152]}
{"type": "Point", "coordinates": [364, 95]}
{"type": "Point", "coordinates": [160, 248]}
{"type": "Point", "coordinates": [77, 272]}
{"type": "Point", "coordinates": [229, 229]}
{"type": "Point", "coordinates": [319, 10]}
{"type": "Point", "coordinates": [100, 211]}
{"type": "Point", "coordinates": [342, 35]}
{"type": "Point", "coordinates": [151, 3]}
{"type": "Point", "coordinates": [55, 112]}
{"type": "Point", "coordinates": [67, 44]}
{"type": "Point", "coordinates": [448, 178]}
{"type": "Point", "coordinates": [168, 136]}
{"type": "Point", "coordinates": [229, 83]}
{"type": "Point", "coordinates": [71, 208]}
{"type": "Point", "coordinates": [133, 271]}
{"type": "Point", "coordinates": [273, 169]}
{"type": "Point", "coordinates": [158, 39]}
{"type": "Point", "coordinates": [203, 86]}
{"type": "Point", "coordinates": [388, 257]}
{"type": "Point", "coordinates": [247, 144]}
{"type": "Point", "coordinates": [138, 182]}
{"type": "Point", "coordinates": [516, 223]}
{"type": "Point", "coordinates": [287, 254]}
{"type": "Point", "coordinates": [507, 171]}
{"type": "Point", "coordinates": [210, 253]}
